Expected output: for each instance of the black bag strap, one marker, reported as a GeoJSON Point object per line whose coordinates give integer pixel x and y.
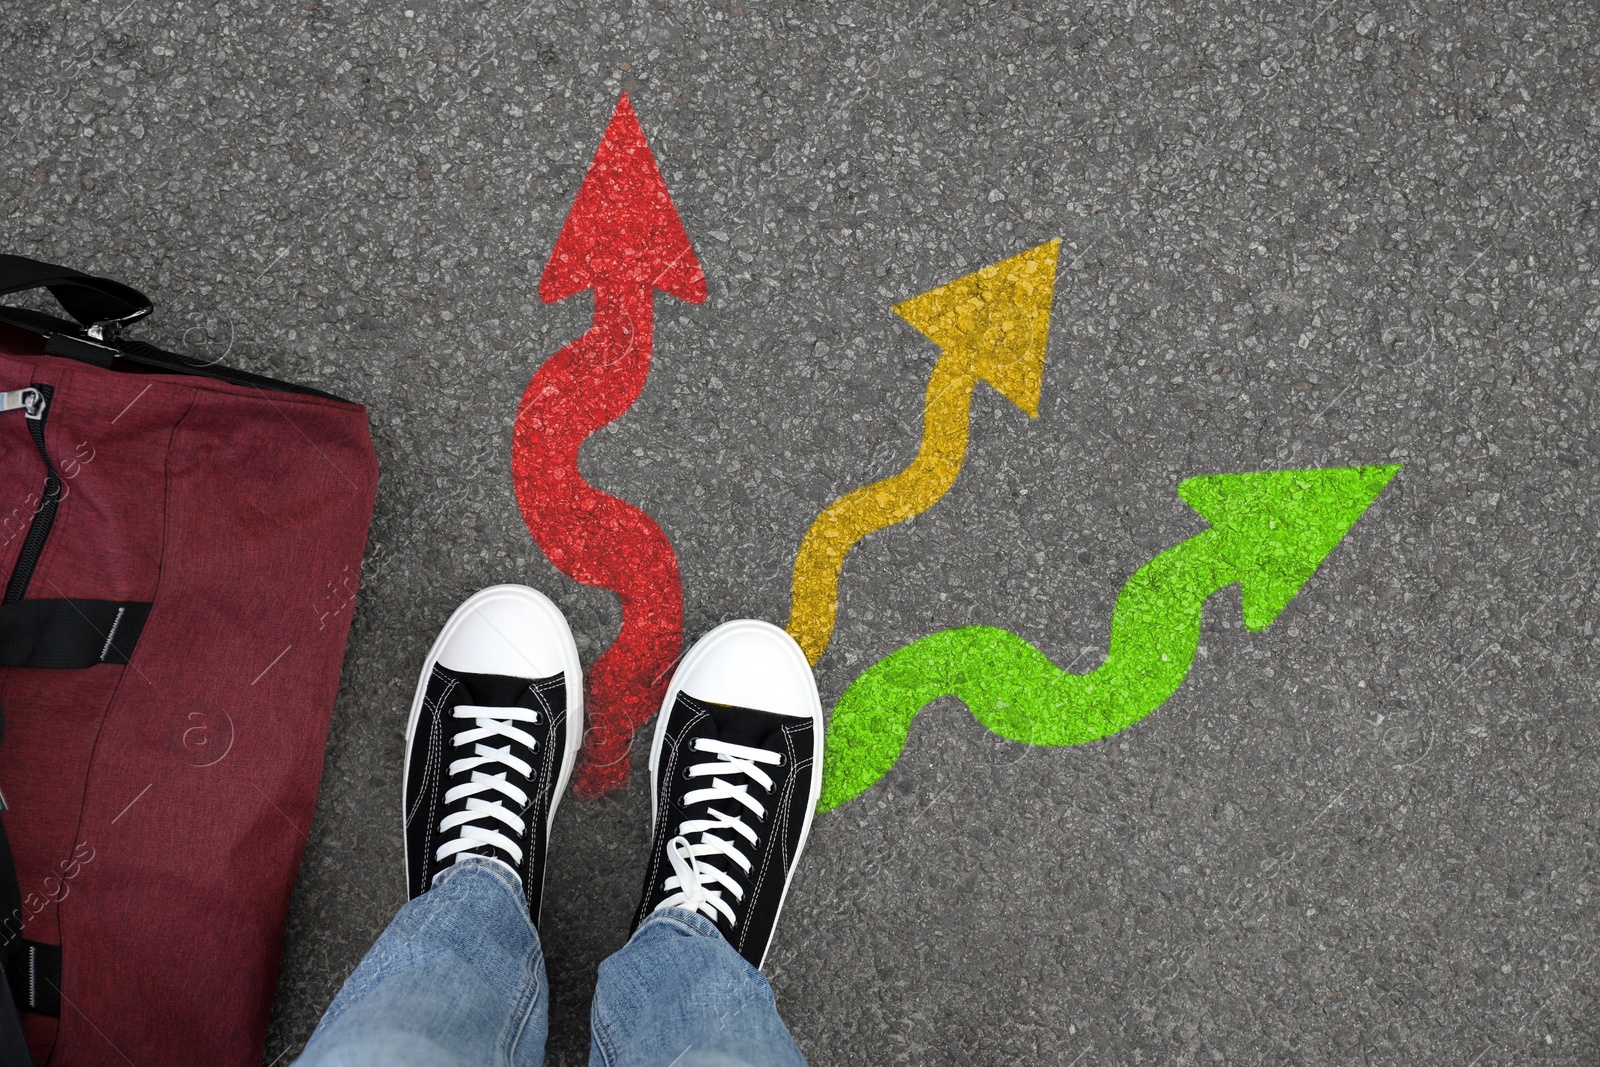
{"type": "Point", "coordinates": [102, 307]}
{"type": "Point", "coordinates": [93, 301]}
{"type": "Point", "coordinates": [13, 1047]}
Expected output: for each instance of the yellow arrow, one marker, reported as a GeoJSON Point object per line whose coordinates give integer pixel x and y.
{"type": "Point", "coordinates": [993, 326]}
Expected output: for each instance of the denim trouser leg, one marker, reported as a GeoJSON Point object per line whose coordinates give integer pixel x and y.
{"type": "Point", "coordinates": [457, 979]}
{"type": "Point", "coordinates": [678, 994]}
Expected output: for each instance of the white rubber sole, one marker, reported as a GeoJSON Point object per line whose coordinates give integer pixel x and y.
{"type": "Point", "coordinates": [738, 630]}
{"type": "Point", "coordinates": [571, 668]}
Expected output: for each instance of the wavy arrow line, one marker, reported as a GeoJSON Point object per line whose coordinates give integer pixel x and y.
{"type": "Point", "coordinates": [1269, 533]}
{"type": "Point", "coordinates": [993, 326]}
{"type": "Point", "coordinates": [624, 240]}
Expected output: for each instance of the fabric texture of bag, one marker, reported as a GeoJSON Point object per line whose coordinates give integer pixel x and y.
{"type": "Point", "coordinates": [170, 650]}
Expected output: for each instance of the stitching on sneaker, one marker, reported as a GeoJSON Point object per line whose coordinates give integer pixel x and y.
{"type": "Point", "coordinates": [794, 774]}
{"type": "Point", "coordinates": [779, 832]}
{"type": "Point", "coordinates": [436, 777]}
{"type": "Point", "coordinates": [429, 709]}
{"type": "Point", "coordinates": [530, 811]}
{"type": "Point", "coordinates": [541, 799]}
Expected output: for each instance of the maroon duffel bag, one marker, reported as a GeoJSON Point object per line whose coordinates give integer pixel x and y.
{"type": "Point", "coordinates": [179, 545]}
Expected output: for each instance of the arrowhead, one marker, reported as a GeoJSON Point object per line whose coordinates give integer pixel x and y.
{"type": "Point", "coordinates": [996, 320]}
{"type": "Point", "coordinates": [1281, 525]}
{"type": "Point", "coordinates": [623, 229]}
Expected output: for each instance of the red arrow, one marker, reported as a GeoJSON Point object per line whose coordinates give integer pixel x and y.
{"type": "Point", "coordinates": [624, 240]}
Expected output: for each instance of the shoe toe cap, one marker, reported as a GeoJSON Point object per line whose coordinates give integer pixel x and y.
{"type": "Point", "coordinates": [751, 664]}
{"type": "Point", "coordinates": [508, 630]}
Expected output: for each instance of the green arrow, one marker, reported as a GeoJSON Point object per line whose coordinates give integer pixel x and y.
{"type": "Point", "coordinates": [1269, 532]}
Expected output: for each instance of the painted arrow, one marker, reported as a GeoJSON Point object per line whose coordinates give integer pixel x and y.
{"type": "Point", "coordinates": [624, 240]}
{"type": "Point", "coordinates": [993, 326]}
{"type": "Point", "coordinates": [1269, 533]}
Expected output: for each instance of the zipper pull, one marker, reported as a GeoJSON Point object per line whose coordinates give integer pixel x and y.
{"type": "Point", "coordinates": [30, 400]}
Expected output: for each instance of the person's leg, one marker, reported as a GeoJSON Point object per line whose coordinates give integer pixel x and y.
{"type": "Point", "coordinates": [735, 770]}
{"type": "Point", "coordinates": [677, 993]}
{"type": "Point", "coordinates": [458, 977]}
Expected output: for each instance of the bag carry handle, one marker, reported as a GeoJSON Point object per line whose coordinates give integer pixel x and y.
{"type": "Point", "coordinates": [102, 307]}
{"type": "Point", "coordinates": [100, 304]}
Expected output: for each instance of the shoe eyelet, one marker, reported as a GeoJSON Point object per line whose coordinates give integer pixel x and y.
{"type": "Point", "coordinates": [688, 777]}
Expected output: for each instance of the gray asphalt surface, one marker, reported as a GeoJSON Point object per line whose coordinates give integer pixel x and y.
{"type": "Point", "coordinates": [1293, 235]}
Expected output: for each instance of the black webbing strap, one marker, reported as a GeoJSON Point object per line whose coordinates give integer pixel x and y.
{"type": "Point", "coordinates": [13, 1046]}
{"type": "Point", "coordinates": [88, 299]}
{"type": "Point", "coordinates": [13, 957]}
{"type": "Point", "coordinates": [69, 634]}
{"type": "Point", "coordinates": [34, 974]}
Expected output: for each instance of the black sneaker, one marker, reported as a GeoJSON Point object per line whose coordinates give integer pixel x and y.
{"type": "Point", "coordinates": [735, 771]}
{"type": "Point", "coordinates": [495, 729]}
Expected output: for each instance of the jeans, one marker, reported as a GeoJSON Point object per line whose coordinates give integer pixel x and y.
{"type": "Point", "coordinates": [458, 979]}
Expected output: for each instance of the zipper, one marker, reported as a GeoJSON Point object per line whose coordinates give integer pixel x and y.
{"type": "Point", "coordinates": [34, 403]}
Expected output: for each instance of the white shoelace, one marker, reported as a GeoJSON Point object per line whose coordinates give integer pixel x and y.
{"type": "Point", "coordinates": [699, 881]}
{"type": "Point", "coordinates": [493, 809]}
